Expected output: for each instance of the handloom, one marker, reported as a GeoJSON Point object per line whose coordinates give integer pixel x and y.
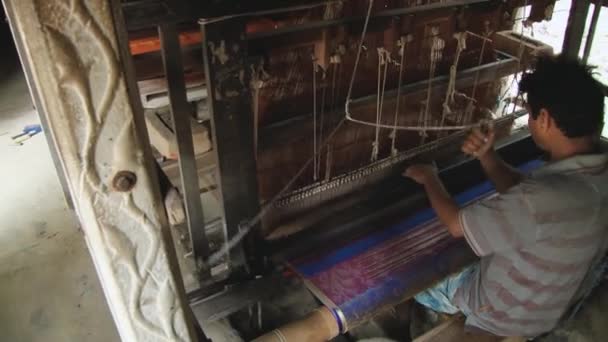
{"type": "Point", "coordinates": [359, 278]}
{"type": "Point", "coordinates": [316, 112]}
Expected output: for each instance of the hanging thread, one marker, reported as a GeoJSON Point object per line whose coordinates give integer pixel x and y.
{"type": "Point", "coordinates": [258, 75]}
{"type": "Point", "coordinates": [383, 62]}
{"type": "Point", "coordinates": [461, 45]}
{"type": "Point", "coordinates": [322, 118]}
{"type": "Point", "coordinates": [437, 45]}
{"type": "Point", "coordinates": [471, 103]}
{"type": "Point", "coordinates": [402, 44]}
{"type": "Point", "coordinates": [315, 165]}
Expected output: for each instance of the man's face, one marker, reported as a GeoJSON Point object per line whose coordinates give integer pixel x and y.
{"type": "Point", "coordinates": [535, 130]}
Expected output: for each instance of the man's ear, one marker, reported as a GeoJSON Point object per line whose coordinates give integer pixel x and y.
{"type": "Point", "coordinates": [545, 121]}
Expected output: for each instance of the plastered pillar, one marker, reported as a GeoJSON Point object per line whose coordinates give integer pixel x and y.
{"type": "Point", "coordinates": [69, 49]}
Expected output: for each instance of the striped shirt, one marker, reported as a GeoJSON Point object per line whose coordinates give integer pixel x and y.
{"type": "Point", "coordinates": [537, 242]}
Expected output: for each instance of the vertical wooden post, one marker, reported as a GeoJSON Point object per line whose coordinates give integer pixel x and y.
{"type": "Point", "coordinates": [181, 113]}
{"type": "Point", "coordinates": [77, 71]}
{"type": "Point", "coordinates": [228, 75]}
{"type": "Point", "coordinates": [576, 28]}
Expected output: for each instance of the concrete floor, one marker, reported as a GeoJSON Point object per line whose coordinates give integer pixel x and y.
{"type": "Point", "coordinates": [49, 290]}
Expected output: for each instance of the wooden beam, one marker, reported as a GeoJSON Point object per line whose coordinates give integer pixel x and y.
{"type": "Point", "coordinates": [228, 73]}
{"type": "Point", "coordinates": [151, 42]}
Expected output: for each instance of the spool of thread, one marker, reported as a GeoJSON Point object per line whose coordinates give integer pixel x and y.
{"type": "Point", "coordinates": [320, 325]}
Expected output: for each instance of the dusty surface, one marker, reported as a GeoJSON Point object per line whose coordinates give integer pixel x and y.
{"type": "Point", "coordinates": [49, 290]}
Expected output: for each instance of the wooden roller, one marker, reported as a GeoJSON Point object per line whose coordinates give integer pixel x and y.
{"type": "Point", "coordinates": [319, 326]}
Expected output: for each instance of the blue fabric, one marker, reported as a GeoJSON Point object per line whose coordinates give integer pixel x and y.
{"type": "Point", "coordinates": [312, 267]}
{"type": "Point", "coordinates": [439, 297]}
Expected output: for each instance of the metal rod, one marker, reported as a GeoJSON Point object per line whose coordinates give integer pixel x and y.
{"type": "Point", "coordinates": [479, 36]}
{"type": "Point", "coordinates": [387, 14]}
{"type": "Point", "coordinates": [576, 28]}
{"type": "Point", "coordinates": [180, 113]}
{"type": "Point", "coordinates": [205, 21]}
{"type": "Point", "coordinates": [591, 33]}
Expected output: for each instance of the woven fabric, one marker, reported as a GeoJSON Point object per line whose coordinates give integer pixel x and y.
{"type": "Point", "coordinates": [380, 269]}
{"type": "Point", "coordinates": [391, 264]}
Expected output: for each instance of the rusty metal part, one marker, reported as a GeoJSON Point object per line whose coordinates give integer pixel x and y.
{"type": "Point", "coordinates": [124, 181]}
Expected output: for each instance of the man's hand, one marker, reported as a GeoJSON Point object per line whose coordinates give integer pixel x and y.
{"type": "Point", "coordinates": [421, 173]}
{"type": "Point", "coordinates": [477, 144]}
{"type": "Point", "coordinates": [445, 207]}
{"type": "Point", "coordinates": [481, 145]}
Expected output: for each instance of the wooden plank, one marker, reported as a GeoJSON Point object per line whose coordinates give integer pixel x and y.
{"type": "Point", "coordinates": [453, 330]}
{"type": "Point", "coordinates": [181, 116]}
{"type": "Point", "coordinates": [228, 73]}
{"type": "Point", "coordinates": [205, 163]}
{"type": "Point", "coordinates": [151, 43]}
{"type": "Point", "coordinates": [154, 92]}
{"type": "Point", "coordinates": [511, 43]}
{"type": "Point", "coordinates": [162, 137]}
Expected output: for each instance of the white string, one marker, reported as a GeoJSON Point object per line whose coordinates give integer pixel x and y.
{"type": "Point", "coordinates": [437, 45]}
{"type": "Point", "coordinates": [357, 59]}
{"type": "Point", "coordinates": [338, 56]}
{"type": "Point", "coordinates": [328, 162]}
{"type": "Point", "coordinates": [449, 96]}
{"type": "Point", "coordinates": [377, 132]}
{"type": "Point", "coordinates": [383, 62]}
{"type": "Point", "coordinates": [471, 104]}
{"type": "Point", "coordinates": [519, 57]}
{"type": "Point", "coordinates": [322, 124]}
{"type": "Point", "coordinates": [245, 228]}
{"type": "Point", "coordinates": [413, 128]}
{"type": "Point", "coordinates": [257, 82]}
{"type": "Point", "coordinates": [314, 115]}
{"type": "Point", "coordinates": [422, 126]}
{"type": "Point", "coordinates": [403, 41]}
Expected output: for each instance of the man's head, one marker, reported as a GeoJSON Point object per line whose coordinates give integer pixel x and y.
{"type": "Point", "coordinates": [565, 102]}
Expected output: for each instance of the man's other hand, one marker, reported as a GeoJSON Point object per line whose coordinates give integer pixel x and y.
{"type": "Point", "coordinates": [477, 144]}
{"type": "Point", "coordinates": [421, 173]}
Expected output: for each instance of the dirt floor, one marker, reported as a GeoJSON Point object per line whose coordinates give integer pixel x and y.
{"type": "Point", "coordinates": [49, 289]}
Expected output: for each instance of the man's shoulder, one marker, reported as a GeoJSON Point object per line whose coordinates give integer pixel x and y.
{"type": "Point", "coordinates": [557, 186]}
{"type": "Point", "coordinates": [560, 199]}
{"type": "Point", "coordinates": [550, 195]}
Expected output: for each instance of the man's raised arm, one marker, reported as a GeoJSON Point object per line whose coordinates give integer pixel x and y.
{"type": "Point", "coordinates": [481, 146]}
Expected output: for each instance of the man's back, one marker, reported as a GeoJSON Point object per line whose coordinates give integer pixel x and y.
{"type": "Point", "coordinates": [537, 243]}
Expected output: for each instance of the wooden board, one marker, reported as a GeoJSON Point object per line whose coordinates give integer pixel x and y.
{"type": "Point", "coordinates": [163, 138]}
{"type": "Point", "coordinates": [151, 43]}
{"type": "Point", "coordinates": [154, 93]}
{"type": "Point", "coordinates": [453, 330]}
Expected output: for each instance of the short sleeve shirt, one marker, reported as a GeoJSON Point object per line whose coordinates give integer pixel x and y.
{"type": "Point", "coordinates": [536, 242]}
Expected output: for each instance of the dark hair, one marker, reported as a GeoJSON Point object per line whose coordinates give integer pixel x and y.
{"type": "Point", "coordinates": [568, 91]}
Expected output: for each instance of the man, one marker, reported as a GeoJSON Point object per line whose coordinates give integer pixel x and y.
{"type": "Point", "coordinates": [541, 235]}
